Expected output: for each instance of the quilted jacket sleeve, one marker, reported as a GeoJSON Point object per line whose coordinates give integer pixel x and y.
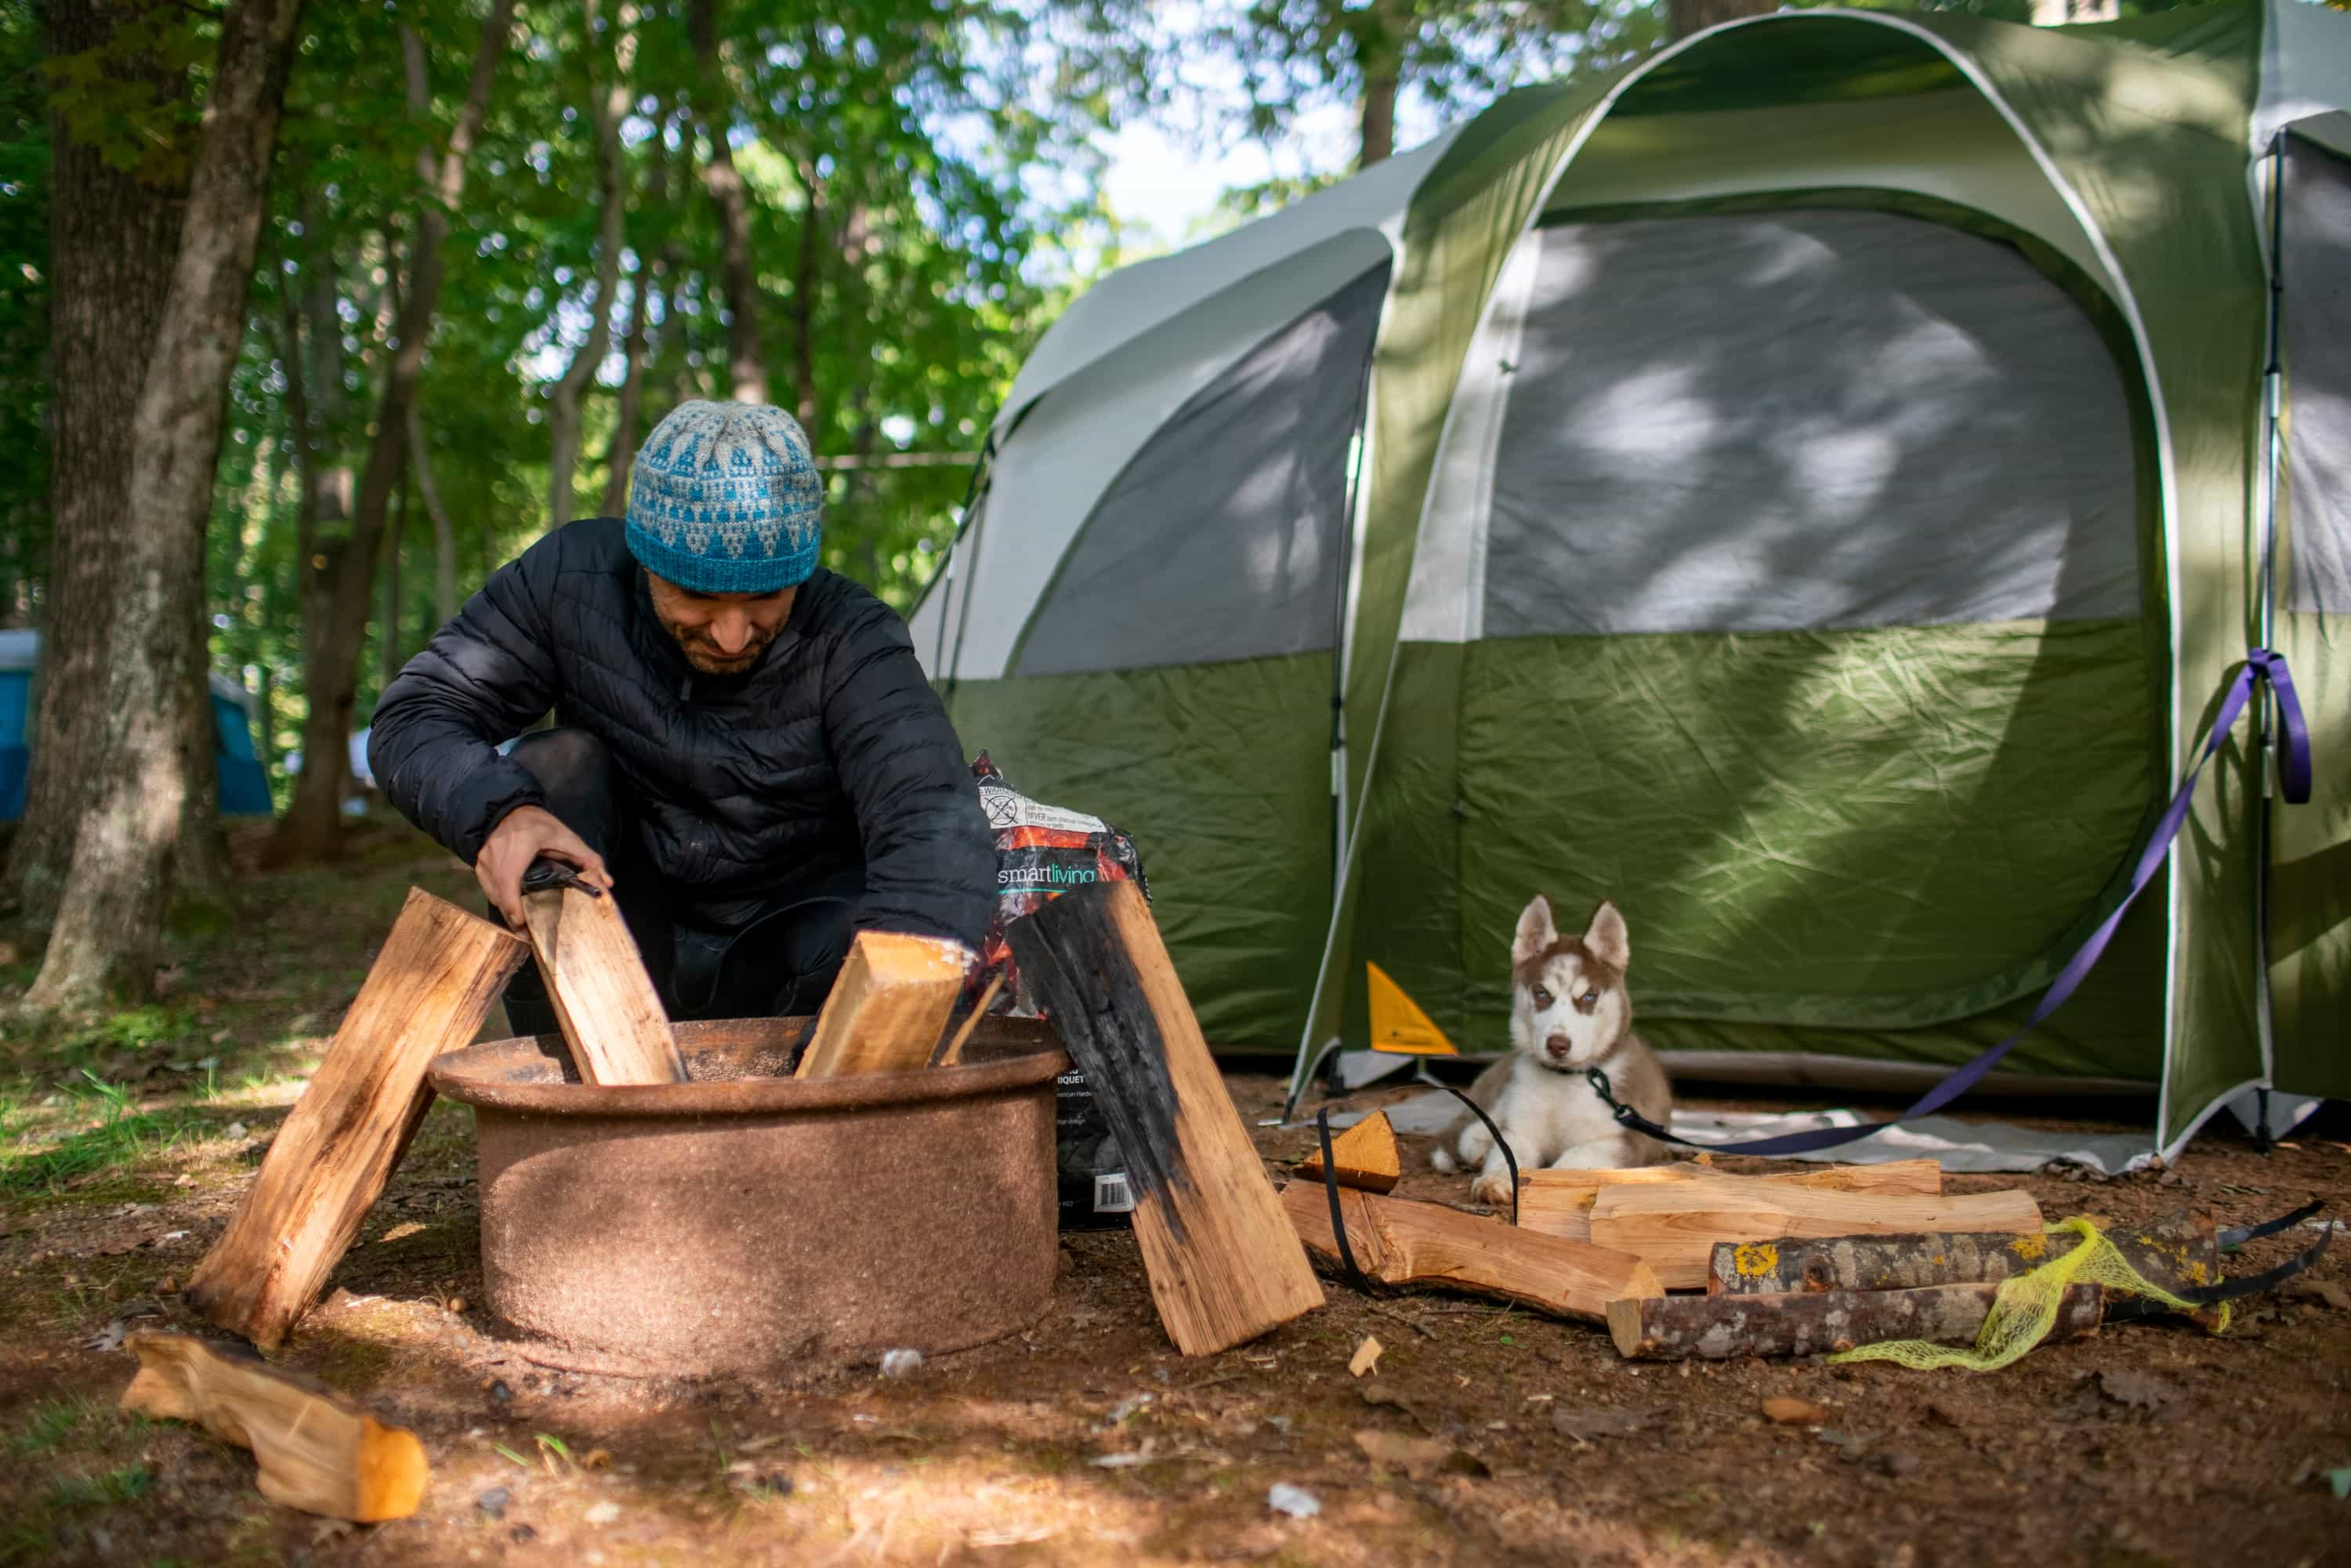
{"type": "Point", "coordinates": [484, 677]}
{"type": "Point", "coordinates": [930, 863]}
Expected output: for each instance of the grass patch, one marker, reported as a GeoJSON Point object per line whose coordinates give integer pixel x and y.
{"type": "Point", "coordinates": [123, 1136]}
{"type": "Point", "coordinates": [126, 1483]}
{"type": "Point", "coordinates": [52, 1422]}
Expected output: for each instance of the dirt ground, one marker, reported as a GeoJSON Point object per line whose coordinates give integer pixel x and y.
{"type": "Point", "coordinates": [125, 1141]}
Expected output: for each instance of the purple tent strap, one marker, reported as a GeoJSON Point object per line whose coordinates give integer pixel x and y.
{"type": "Point", "coordinates": [2261, 664]}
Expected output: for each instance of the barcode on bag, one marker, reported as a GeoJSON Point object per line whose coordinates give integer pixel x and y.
{"type": "Point", "coordinates": [1112, 1194]}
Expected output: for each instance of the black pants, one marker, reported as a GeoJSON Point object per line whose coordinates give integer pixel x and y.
{"type": "Point", "coordinates": [752, 958]}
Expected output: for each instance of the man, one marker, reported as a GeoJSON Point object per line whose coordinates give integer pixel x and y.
{"type": "Point", "coordinates": [745, 752]}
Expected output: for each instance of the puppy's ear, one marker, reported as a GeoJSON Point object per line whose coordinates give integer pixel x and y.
{"type": "Point", "coordinates": [1536, 932]}
{"type": "Point", "coordinates": [1606, 939]}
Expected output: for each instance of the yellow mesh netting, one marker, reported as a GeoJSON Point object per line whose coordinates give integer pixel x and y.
{"type": "Point", "coordinates": [2025, 1309]}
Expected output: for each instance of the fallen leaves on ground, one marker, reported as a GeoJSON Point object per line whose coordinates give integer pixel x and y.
{"type": "Point", "coordinates": [1585, 1422]}
{"type": "Point", "coordinates": [2125, 1386]}
{"type": "Point", "coordinates": [1786, 1412]}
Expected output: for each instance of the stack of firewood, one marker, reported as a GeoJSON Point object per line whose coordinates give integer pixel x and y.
{"type": "Point", "coordinates": [1684, 1261]}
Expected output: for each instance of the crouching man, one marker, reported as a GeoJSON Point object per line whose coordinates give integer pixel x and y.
{"type": "Point", "coordinates": [745, 751]}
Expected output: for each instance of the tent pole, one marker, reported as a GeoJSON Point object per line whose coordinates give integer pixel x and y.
{"type": "Point", "coordinates": [2265, 593]}
{"type": "Point", "coordinates": [975, 519]}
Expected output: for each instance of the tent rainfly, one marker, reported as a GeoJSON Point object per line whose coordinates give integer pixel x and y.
{"type": "Point", "coordinates": [1809, 484]}
{"type": "Point", "coordinates": [244, 787]}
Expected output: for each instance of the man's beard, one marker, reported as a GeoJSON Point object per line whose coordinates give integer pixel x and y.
{"type": "Point", "coordinates": [703, 654]}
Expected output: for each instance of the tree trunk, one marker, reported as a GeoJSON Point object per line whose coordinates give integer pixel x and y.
{"type": "Point", "coordinates": [805, 284]}
{"type": "Point", "coordinates": [388, 640]}
{"type": "Point", "coordinates": [200, 868]}
{"type": "Point", "coordinates": [1379, 32]}
{"type": "Point", "coordinates": [312, 824]}
{"type": "Point", "coordinates": [112, 239]}
{"type": "Point", "coordinates": [609, 107]}
{"type": "Point", "coordinates": [1683, 17]}
{"type": "Point", "coordinates": [621, 454]}
{"type": "Point", "coordinates": [651, 281]}
{"type": "Point", "coordinates": [110, 913]}
{"type": "Point", "coordinates": [747, 366]}
{"type": "Point", "coordinates": [444, 534]}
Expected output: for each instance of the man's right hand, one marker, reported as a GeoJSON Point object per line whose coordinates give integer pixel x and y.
{"type": "Point", "coordinates": [522, 836]}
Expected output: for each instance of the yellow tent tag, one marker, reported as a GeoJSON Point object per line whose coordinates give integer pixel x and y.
{"type": "Point", "coordinates": [1397, 1023]}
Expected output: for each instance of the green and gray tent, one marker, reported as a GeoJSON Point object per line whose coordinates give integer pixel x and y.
{"type": "Point", "coordinates": [1811, 485]}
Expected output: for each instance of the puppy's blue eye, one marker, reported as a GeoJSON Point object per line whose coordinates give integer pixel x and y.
{"type": "Point", "coordinates": [1542, 998]}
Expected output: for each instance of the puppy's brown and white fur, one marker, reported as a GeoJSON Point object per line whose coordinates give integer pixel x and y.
{"type": "Point", "coordinates": [1569, 1011]}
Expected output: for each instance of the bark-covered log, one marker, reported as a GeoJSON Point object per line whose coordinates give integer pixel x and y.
{"type": "Point", "coordinates": [2177, 1252]}
{"type": "Point", "coordinates": [1715, 1328]}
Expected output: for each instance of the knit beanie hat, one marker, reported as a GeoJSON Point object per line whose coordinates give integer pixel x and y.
{"type": "Point", "coordinates": [724, 498]}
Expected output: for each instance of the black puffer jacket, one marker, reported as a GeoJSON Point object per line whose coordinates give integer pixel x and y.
{"type": "Point", "coordinates": [831, 751]}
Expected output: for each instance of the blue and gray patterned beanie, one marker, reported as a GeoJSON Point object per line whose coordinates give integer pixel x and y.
{"type": "Point", "coordinates": [724, 498]}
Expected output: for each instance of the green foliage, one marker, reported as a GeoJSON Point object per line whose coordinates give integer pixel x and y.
{"type": "Point", "coordinates": [123, 1136]}
{"type": "Point", "coordinates": [53, 1422]}
{"type": "Point", "coordinates": [124, 98]}
{"type": "Point", "coordinates": [24, 322]}
{"type": "Point", "coordinates": [921, 178]}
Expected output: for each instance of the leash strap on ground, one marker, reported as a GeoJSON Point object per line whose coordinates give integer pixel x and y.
{"type": "Point", "coordinates": [2236, 1235]}
{"type": "Point", "coordinates": [2222, 1291]}
{"type": "Point", "coordinates": [1355, 1276]}
{"type": "Point", "coordinates": [2294, 777]}
{"type": "Point", "coordinates": [1501, 1142]}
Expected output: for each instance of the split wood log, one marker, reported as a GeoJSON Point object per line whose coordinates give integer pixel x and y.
{"type": "Point", "coordinates": [1365, 1154]}
{"type": "Point", "coordinates": [1223, 1262]}
{"type": "Point", "coordinates": [316, 1450]}
{"type": "Point", "coordinates": [2177, 1252]}
{"type": "Point", "coordinates": [605, 1003]}
{"type": "Point", "coordinates": [889, 1006]}
{"type": "Point", "coordinates": [1559, 1203]}
{"type": "Point", "coordinates": [428, 991]}
{"type": "Point", "coordinates": [1715, 1328]}
{"type": "Point", "coordinates": [1673, 1226]}
{"type": "Point", "coordinates": [952, 1054]}
{"type": "Point", "coordinates": [1399, 1242]}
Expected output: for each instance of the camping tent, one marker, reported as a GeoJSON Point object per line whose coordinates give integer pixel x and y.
{"type": "Point", "coordinates": [1810, 485]}
{"type": "Point", "coordinates": [244, 789]}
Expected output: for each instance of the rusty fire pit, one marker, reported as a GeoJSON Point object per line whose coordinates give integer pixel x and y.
{"type": "Point", "coordinates": [744, 1224]}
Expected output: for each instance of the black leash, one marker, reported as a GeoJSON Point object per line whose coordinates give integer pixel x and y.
{"type": "Point", "coordinates": [1355, 1275]}
{"type": "Point", "coordinates": [2236, 1235]}
{"type": "Point", "coordinates": [2222, 1291]}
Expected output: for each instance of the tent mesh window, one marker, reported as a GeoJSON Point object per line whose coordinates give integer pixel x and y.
{"type": "Point", "coordinates": [1797, 420]}
{"type": "Point", "coordinates": [2316, 249]}
{"type": "Point", "coordinates": [1225, 537]}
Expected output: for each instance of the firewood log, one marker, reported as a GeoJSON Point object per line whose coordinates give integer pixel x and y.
{"type": "Point", "coordinates": [316, 1450]}
{"type": "Point", "coordinates": [1399, 1242]}
{"type": "Point", "coordinates": [1560, 1202]}
{"type": "Point", "coordinates": [1673, 1226]}
{"type": "Point", "coordinates": [1716, 1328]}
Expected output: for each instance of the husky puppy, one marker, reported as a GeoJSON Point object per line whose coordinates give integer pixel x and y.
{"type": "Point", "coordinates": [1569, 1011]}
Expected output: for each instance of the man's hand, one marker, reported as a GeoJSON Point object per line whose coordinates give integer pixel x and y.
{"type": "Point", "coordinates": [522, 836]}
